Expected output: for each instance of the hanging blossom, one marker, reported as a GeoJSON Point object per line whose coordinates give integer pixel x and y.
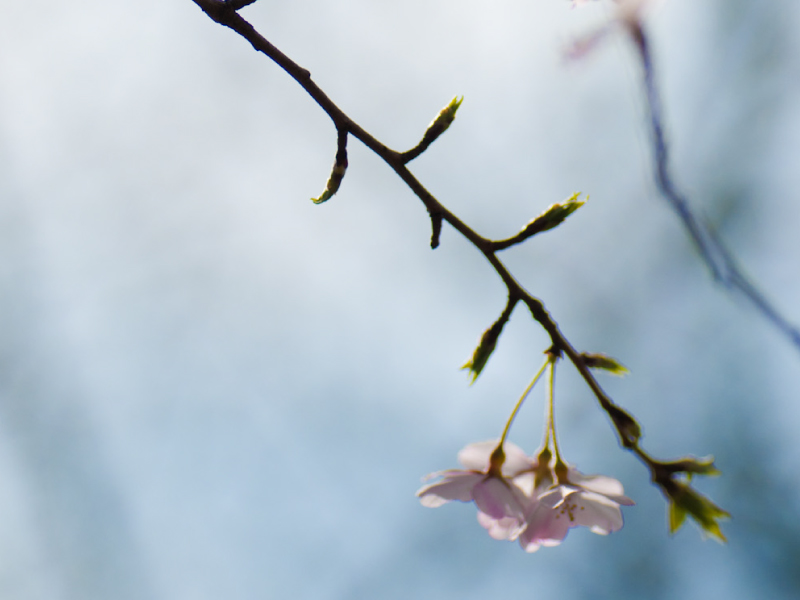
{"type": "Point", "coordinates": [520, 499]}
{"type": "Point", "coordinates": [579, 500]}
{"type": "Point", "coordinates": [534, 499]}
{"type": "Point", "coordinates": [487, 480]}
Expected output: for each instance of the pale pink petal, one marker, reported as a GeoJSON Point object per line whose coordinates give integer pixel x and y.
{"type": "Point", "coordinates": [596, 512]}
{"type": "Point", "coordinates": [555, 496]}
{"type": "Point", "coordinates": [456, 485]}
{"type": "Point", "coordinates": [607, 486]}
{"type": "Point", "coordinates": [545, 527]}
{"type": "Point", "coordinates": [437, 474]}
{"type": "Point", "coordinates": [575, 507]}
{"type": "Point", "coordinates": [498, 498]}
{"type": "Point", "coordinates": [507, 528]}
{"type": "Point", "coordinates": [524, 482]}
{"type": "Point", "coordinates": [531, 545]}
{"type": "Point", "coordinates": [516, 460]}
{"type": "Point", "coordinates": [476, 457]}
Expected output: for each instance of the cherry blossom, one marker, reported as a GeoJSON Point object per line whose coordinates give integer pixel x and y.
{"type": "Point", "coordinates": [526, 498]}
{"type": "Point", "coordinates": [581, 501]}
{"type": "Point", "coordinates": [487, 481]}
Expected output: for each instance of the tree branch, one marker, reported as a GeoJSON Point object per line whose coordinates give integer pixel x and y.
{"type": "Point", "coordinates": [626, 427]}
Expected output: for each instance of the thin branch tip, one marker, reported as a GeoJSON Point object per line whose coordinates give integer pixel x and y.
{"type": "Point", "coordinates": [437, 219]}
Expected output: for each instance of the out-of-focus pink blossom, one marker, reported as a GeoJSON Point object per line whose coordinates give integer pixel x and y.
{"type": "Point", "coordinates": [627, 13]}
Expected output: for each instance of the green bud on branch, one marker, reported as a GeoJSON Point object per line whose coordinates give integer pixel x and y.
{"type": "Point", "coordinates": [488, 342]}
{"type": "Point", "coordinates": [442, 121]}
{"type": "Point", "coordinates": [334, 181]}
{"type": "Point", "coordinates": [339, 168]}
{"type": "Point", "coordinates": [553, 216]}
{"type": "Point", "coordinates": [436, 128]}
{"type": "Point", "coordinates": [601, 361]}
{"type": "Point", "coordinates": [483, 351]}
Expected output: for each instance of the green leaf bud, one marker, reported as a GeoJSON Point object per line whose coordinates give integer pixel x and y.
{"type": "Point", "coordinates": [484, 350]}
{"type": "Point", "coordinates": [442, 121]}
{"type": "Point", "coordinates": [601, 361]}
{"type": "Point", "coordinates": [334, 181]}
{"type": "Point", "coordinates": [553, 216]}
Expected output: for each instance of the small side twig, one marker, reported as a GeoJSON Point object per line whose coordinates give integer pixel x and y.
{"type": "Point", "coordinates": [437, 219]}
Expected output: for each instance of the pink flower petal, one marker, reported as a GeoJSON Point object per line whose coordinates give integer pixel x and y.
{"type": "Point", "coordinates": [545, 527]}
{"type": "Point", "coordinates": [507, 528]}
{"type": "Point", "coordinates": [498, 499]}
{"type": "Point", "coordinates": [476, 457]}
{"type": "Point", "coordinates": [607, 486]}
{"type": "Point", "coordinates": [456, 485]}
{"type": "Point", "coordinates": [516, 460]}
{"type": "Point", "coordinates": [598, 513]}
{"type": "Point", "coordinates": [574, 507]}
{"type": "Point", "coordinates": [525, 482]}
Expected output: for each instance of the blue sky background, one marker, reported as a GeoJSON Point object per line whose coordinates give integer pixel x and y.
{"type": "Point", "coordinates": [210, 387]}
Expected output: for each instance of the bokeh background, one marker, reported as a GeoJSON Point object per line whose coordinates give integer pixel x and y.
{"type": "Point", "coordinates": [211, 388]}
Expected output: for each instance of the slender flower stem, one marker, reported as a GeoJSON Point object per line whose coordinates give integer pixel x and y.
{"type": "Point", "coordinates": [498, 456]}
{"type": "Point", "coordinates": [560, 468]}
{"type": "Point", "coordinates": [521, 400]}
{"type": "Point", "coordinates": [551, 420]}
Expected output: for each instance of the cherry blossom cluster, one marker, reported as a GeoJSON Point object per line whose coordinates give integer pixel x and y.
{"type": "Point", "coordinates": [526, 498]}
{"type": "Point", "coordinates": [533, 499]}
